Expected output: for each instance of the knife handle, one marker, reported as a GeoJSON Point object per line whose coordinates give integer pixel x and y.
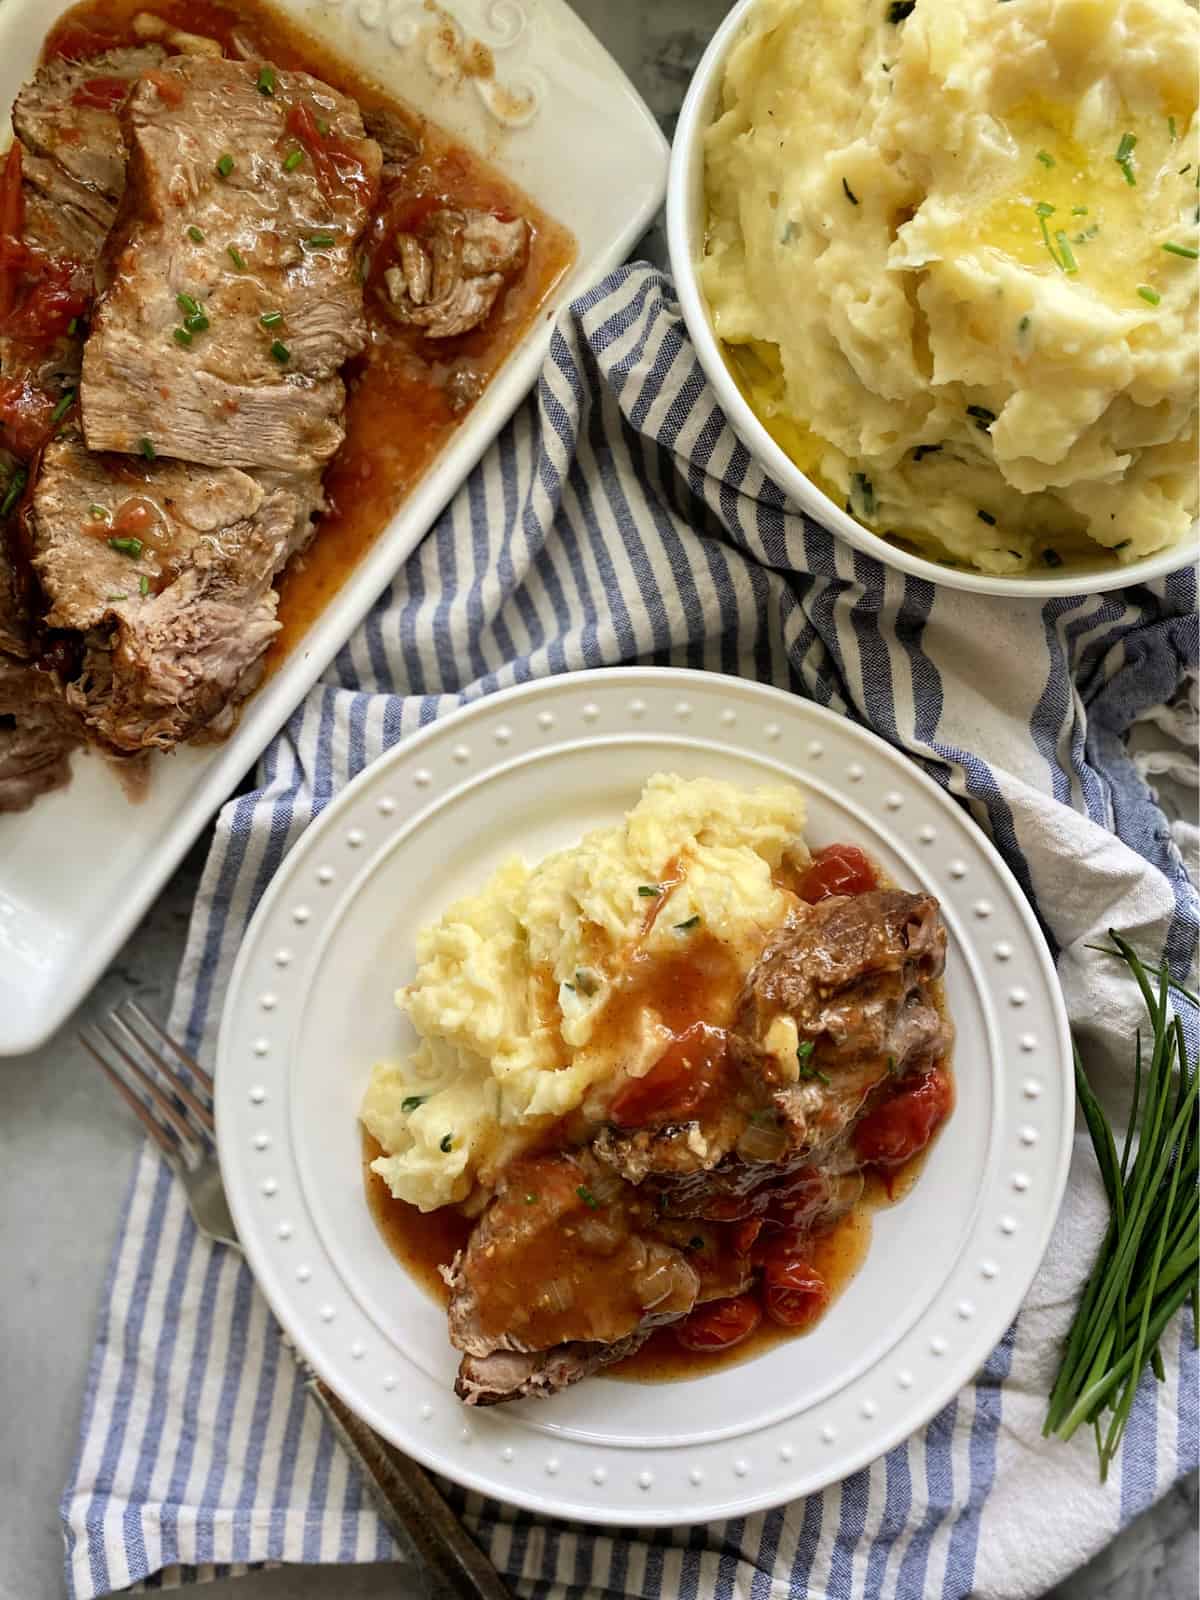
{"type": "Point", "coordinates": [410, 1505]}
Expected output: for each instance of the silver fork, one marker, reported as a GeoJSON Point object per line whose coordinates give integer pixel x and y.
{"type": "Point", "coordinates": [133, 1050]}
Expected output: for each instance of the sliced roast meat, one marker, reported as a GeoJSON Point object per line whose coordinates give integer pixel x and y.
{"type": "Point", "coordinates": [850, 981]}
{"type": "Point", "coordinates": [37, 735]}
{"type": "Point", "coordinates": [451, 273]}
{"type": "Point", "coordinates": [519, 1375]}
{"type": "Point", "coordinates": [62, 216]}
{"type": "Point", "coordinates": [398, 141]}
{"type": "Point", "coordinates": [68, 113]}
{"type": "Point", "coordinates": [563, 1260]}
{"type": "Point", "coordinates": [164, 573]}
{"type": "Point", "coordinates": [230, 294]}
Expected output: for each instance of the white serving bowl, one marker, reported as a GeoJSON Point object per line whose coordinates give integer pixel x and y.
{"type": "Point", "coordinates": [685, 237]}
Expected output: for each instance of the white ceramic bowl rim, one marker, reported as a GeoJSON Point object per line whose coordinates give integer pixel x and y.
{"type": "Point", "coordinates": [684, 186]}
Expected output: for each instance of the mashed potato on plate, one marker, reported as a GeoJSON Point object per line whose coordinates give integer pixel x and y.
{"type": "Point", "coordinates": [952, 254]}
{"type": "Point", "coordinates": [512, 982]}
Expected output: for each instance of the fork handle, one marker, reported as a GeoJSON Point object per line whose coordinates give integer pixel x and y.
{"type": "Point", "coordinates": [411, 1506]}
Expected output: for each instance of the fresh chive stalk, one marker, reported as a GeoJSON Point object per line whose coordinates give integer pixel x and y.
{"type": "Point", "coordinates": [1146, 1267]}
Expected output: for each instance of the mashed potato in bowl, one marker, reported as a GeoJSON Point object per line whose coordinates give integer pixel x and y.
{"type": "Point", "coordinates": [511, 982]}
{"type": "Point", "coordinates": [951, 253]}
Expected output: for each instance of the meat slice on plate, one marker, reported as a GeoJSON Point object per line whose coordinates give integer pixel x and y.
{"type": "Point", "coordinates": [230, 288]}
{"type": "Point", "coordinates": [451, 270]}
{"type": "Point", "coordinates": [838, 1006]}
{"type": "Point", "coordinates": [562, 1275]}
{"type": "Point", "coordinates": [68, 112]}
{"type": "Point", "coordinates": [160, 576]}
{"type": "Point", "coordinates": [37, 735]}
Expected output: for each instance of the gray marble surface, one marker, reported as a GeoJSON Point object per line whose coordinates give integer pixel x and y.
{"type": "Point", "coordinates": [67, 1143]}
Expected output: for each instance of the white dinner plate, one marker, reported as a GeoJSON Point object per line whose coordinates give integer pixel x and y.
{"type": "Point", "coordinates": [310, 1009]}
{"type": "Point", "coordinates": [562, 121]}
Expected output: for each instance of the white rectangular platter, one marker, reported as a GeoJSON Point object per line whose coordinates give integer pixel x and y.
{"type": "Point", "coordinates": [79, 869]}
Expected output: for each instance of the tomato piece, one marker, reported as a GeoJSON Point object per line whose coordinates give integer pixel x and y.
{"type": "Point", "coordinates": [795, 1293]}
{"type": "Point", "coordinates": [102, 94]}
{"type": "Point", "coordinates": [170, 90]}
{"type": "Point", "coordinates": [838, 869]}
{"type": "Point", "coordinates": [12, 226]}
{"type": "Point", "coordinates": [719, 1325]}
{"type": "Point", "coordinates": [676, 1083]}
{"type": "Point", "coordinates": [25, 413]}
{"type": "Point", "coordinates": [904, 1123]}
{"type": "Point", "coordinates": [76, 43]}
{"type": "Point", "coordinates": [335, 163]}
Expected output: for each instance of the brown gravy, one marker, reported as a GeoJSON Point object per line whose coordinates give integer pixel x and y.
{"type": "Point", "coordinates": [398, 416]}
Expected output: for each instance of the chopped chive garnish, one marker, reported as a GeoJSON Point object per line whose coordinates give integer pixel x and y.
{"type": "Point", "coordinates": [101, 513]}
{"type": "Point", "coordinates": [1171, 129]}
{"type": "Point", "coordinates": [804, 1062]}
{"type": "Point", "coordinates": [986, 516]}
{"type": "Point", "coordinates": [682, 927]}
{"type": "Point", "coordinates": [445, 1143]}
{"type": "Point", "coordinates": [266, 80]}
{"type": "Point", "coordinates": [292, 160]}
{"type": "Point", "coordinates": [72, 327]}
{"type": "Point", "coordinates": [1124, 544]}
{"type": "Point", "coordinates": [196, 323]}
{"type": "Point", "coordinates": [271, 319]}
{"type": "Point", "coordinates": [181, 337]}
{"type": "Point", "coordinates": [1044, 208]}
{"type": "Point", "coordinates": [649, 891]}
{"type": "Point", "coordinates": [924, 450]}
{"type": "Point", "coordinates": [1046, 158]}
{"type": "Point", "coordinates": [127, 547]}
{"type": "Point", "coordinates": [899, 9]}
{"type": "Point", "coordinates": [1052, 558]}
{"type": "Point", "coordinates": [1124, 157]}
{"type": "Point", "coordinates": [1149, 295]}
{"type": "Point", "coordinates": [1023, 325]}
{"type": "Point", "coordinates": [585, 982]}
{"type": "Point", "coordinates": [187, 303]}
{"type": "Point", "coordinates": [13, 493]}
{"type": "Point", "coordinates": [116, 597]}
{"type": "Point", "coordinates": [849, 193]}
{"type": "Point", "coordinates": [281, 352]}
{"type": "Point", "coordinates": [586, 1195]}
{"type": "Point", "coordinates": [146, 447]}
{"type": "Point", "coordinates": [531, 1199]}
{"type": "Point", "coordinates": [143, 584]}
{"type": "Point", "coordinates": [195, 235]}
{"type": "Point", "coordinates": [322, 127]}
{"type": "Point", "coordinates": [238, 259]}
{"type": "Point", "coordinates": [1187, 251]}
{"type": "Point", "coordinates": [319, 241]}
{"type": "Point", "coordinates": [225, 165]}
{"type": "Point", "coordinates": [862, 487]}
{"type": "Point", "coordinates": [1079, 211]}
{"type": "Point", "coordinates": [64, 405]}
{"type": "Point", "coordinates": [981, 413]}
{"type": "Point", "coordinates": [412, 1101]}
{"type": "Point", "coordinates": [1067, 255]}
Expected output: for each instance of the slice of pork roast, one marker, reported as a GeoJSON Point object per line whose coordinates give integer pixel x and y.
{"type": "Point", "coordinates": [217, 216]}
{"type": "Point", "coordinates": [852, 975]}
{"type": "Point", "coordinates": [170, 621]}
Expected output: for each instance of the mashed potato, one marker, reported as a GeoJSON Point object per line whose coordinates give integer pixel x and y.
{"type": "Point", "coordinates": [511, 982]}
{"type": "Point", "coordinates": [952, 250]}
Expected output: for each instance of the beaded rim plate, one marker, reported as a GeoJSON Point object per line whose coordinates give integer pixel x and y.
{"type": "Point", "coordinates": [310, 1009]}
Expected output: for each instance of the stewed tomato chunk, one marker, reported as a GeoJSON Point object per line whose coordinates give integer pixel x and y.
{"type": "Point", "coordinates": [904, 1123]}
{"type": "Point", "coordinates": [677, 1082]}
{"type": "Point", "coordinates": [794, 1292]}
{"type": "Point", "coordinates": [837, 869]}
{"type": "Point", "coordinates": [719, 1325]}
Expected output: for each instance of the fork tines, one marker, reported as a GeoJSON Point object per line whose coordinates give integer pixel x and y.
{"type": "Point", "coordinates": [164, 1116]}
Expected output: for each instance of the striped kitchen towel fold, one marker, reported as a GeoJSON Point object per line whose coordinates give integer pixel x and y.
{"type": "Point", "coordinates": [617, 519]}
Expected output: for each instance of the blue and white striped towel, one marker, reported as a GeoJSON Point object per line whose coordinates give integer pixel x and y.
{"type": "Point", "coordinates": [617, 519]}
